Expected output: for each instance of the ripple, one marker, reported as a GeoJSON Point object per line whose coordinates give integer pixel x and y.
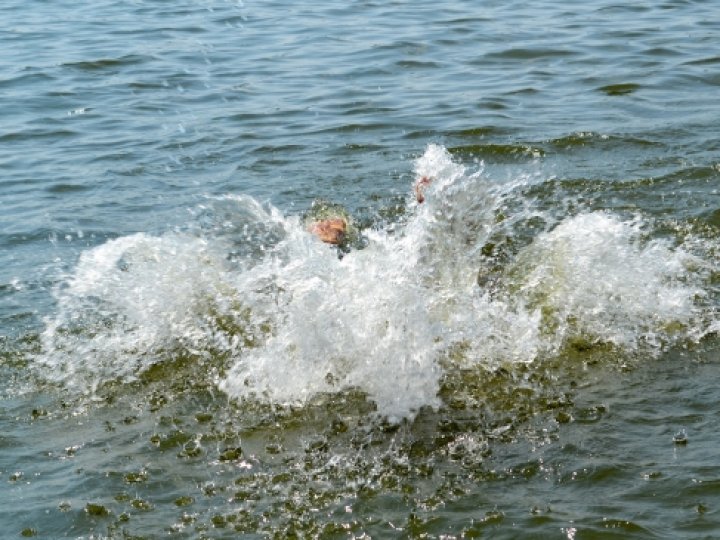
{"type": "Point", "coordinates": [32, 78]}
{"type": "Point", "coordinates": [363, 109]}
{"type": "Point", "coordinates": [417, 64]}
{"type": "Point", "coordinates": [498, 151]}
{"type": "Point", "coordinates": [623, 8]}
{"type": "Point", "coordinates": [481, 131]}
{"type": "Point", "coordinates": [530, 54]}
{"type": "Point", "coordinates": [355, 127]}
{"type": "Point", "coordinates": [620, 89]}
{"type": "Point", "coordinates": [710, 60]}
{"type": "Point", "coordinates": [35, 134]}
{"type": "Point", "coordinates": [662, 51]}
{"type": "Point", "coordinates": [66, 188]}
{"type": "Point", "coordinates": [282, 149]}
{"type": "Point", "coordinates": [598, 140]}
{"type": "Point", "coordinates": [107, 63]}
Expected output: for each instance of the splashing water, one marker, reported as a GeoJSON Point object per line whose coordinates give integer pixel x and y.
{"type": "Point", "coordinates": [593, 275]}
{"type": "Point", "coordinates": [292, 320]}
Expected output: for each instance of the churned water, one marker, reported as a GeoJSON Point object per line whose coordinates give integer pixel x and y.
{"type": "Point", "coordinates": [530, 353]}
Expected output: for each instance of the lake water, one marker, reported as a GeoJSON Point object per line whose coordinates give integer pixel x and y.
{"type": "Point", "coordinates": [531, 353]}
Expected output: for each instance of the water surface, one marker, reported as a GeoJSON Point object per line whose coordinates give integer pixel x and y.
{"type": "Point", "coordinates": [529, 354]}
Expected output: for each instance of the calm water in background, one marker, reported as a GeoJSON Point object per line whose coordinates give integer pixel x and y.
{"type": "Point", "coordinates": [532, 353]}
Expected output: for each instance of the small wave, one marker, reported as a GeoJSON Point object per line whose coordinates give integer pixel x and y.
{"type": "Point", "coordinates": [497, 151]}
{"type": "Point", "coordinates": [710, 60]}
{"type": "Point", "coordinates": [619, 89]}
{"type": "Point", "coordinates": [36, 134]}
{"type": "Point", "coordinates": [480, 131]}
{"type": "Point", "coordinates": [417, 64]}
{"type": "Point", "coordinates": [66, 188]}
{"type": "Point", "coordinates": [599, 140]}
{"type": "Point", "coordinates": [26, 78]}
{"type": "Point", "coordinates": [107, 63]}
{"type": "Point", "coordinates": [530, 54]}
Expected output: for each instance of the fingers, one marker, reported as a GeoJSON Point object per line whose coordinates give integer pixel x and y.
{"type": "Point", "coordinates": [420, 185]}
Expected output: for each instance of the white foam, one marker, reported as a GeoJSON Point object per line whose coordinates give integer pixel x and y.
{"type": "Point", "coordinates": [128, 299]}
{"type": "Point", "coordinates": [347, 323]}
{"type": "Point", "coordinates": [597, 276]}
{"type": "Point", "coordinates": [295, 320]}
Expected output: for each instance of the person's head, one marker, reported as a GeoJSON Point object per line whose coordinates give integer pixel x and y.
{"type": "Point", "coordinates": [331, 223]}
{"type": "Point", "coordinates": [330, 231]}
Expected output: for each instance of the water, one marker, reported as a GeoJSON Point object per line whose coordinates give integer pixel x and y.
{"type": "Point", "coordinates": [531, 353]}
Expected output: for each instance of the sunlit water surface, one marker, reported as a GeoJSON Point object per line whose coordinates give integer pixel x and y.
{"type": "Point", "coordinates": [531, 353]}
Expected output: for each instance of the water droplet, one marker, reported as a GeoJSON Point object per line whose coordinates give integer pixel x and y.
{"type": "Point", "coordinates": [680, 438]}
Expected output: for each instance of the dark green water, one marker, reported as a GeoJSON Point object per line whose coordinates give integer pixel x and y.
{"type": "Point", "coordinates": [532, 353]}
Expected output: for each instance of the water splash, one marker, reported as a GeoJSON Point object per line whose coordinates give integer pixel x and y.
{"type": "Point", "coordinates": [599, 277]}
{"type": "Point", "coordinates": [285, 319]}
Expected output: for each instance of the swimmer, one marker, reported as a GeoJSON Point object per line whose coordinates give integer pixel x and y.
{"type": "Point", "coordinates": [332, 224]}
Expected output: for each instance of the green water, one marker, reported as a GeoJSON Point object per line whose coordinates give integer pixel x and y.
{"type": "Point", "coordinates": [530, 354]}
